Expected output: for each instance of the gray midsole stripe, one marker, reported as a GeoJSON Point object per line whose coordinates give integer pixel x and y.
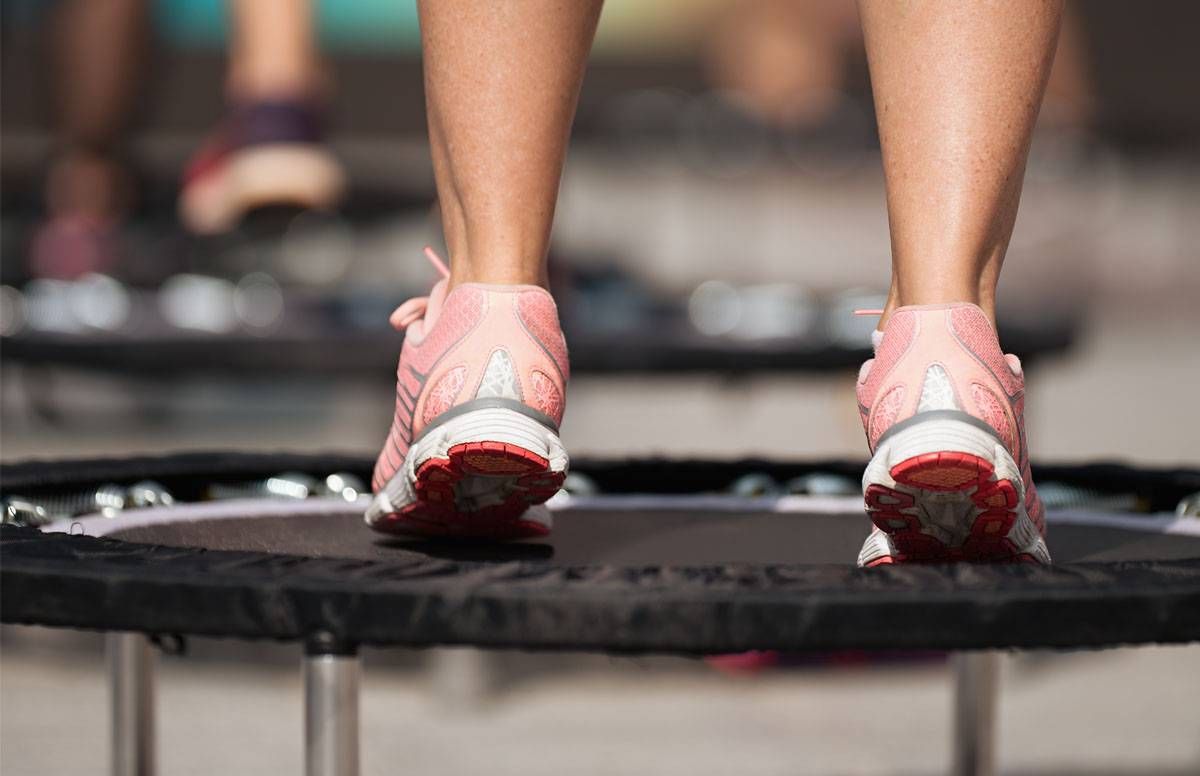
{"type": "Point", "coordinates": [958, 415]}
{"type": "Point", "coordinates": [488, 403]}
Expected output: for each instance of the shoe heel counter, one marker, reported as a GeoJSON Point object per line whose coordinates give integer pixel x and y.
{"type": "Point", "coordinates": [988, 386]}
{"type": "Point", "coordinates": [940, 358]}
{"type": "Point", "coordinates": [882, 388]}
{"type": "Point", "coordinates": [547, 370]}
{"type": "Point", "coordinates": [521, 352]}
{"type": "Point", "coordinates": [538, 315]}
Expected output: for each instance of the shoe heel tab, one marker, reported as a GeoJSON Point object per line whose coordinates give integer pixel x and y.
{"type": "Point", "coordinates": [958, 314]}
{"type": "Point", "coordinates": [504, 288]}
{"type": "Point", "coordinates": [927, 308]}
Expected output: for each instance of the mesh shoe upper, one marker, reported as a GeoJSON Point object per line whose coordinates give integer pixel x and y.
{"type": "Point", "coordinates": [947, 357]}
{"type": "Point", "coordinates": [475, 342]}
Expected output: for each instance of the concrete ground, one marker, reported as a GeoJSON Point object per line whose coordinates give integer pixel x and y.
{"type": "Point", "coordinates": [1121, 711]}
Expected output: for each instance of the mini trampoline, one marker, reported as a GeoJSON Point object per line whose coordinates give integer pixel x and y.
{"type": "Point", "coordinates": [660, 559]}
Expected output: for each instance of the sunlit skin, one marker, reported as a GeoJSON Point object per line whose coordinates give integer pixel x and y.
{"type": "Point", "coordinates": [957, 89]}
{"type": "Point", "coordinates": [501, 83]}
{"type": "Point", "coordinates": [273, 50]}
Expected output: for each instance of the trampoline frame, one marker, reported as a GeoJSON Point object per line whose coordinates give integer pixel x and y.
{"type": "Point", "coordinates": [332, 679]}
{"type": "Point", "coordinates": [331, 666]}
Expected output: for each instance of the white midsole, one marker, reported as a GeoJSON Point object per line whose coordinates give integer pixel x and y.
{"type": "Point", "coordinates": [940, 435]}
{"type": "Point", "coordinates": [492, 424]}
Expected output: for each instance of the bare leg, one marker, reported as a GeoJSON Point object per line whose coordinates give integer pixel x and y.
{"type": "Point", "coordinates": [274, 52]}
{"type": "Point", "coordinates": [269, 149]}
{"type": "Point", "coordinates": [99, 51]}
{"type": "Point", "coordinates": [502, 81]}
{"type": "Point", "coordinates": [786, 56]}
{"type": "Point", "coordinates": [957, 90]}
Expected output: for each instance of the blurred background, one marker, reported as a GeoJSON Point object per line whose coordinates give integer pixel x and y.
{"type": "Point", "coordinates": [723, 200]}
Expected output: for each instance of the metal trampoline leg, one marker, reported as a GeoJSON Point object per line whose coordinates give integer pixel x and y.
{"type": "Point", "coordinates": [131, 689]}
{"type": "Point", "coordinates": [462, 676]}
{"type": "Point", "coordinates": [331, 714]}
{"type": "Point", "coordinates": [976, 682]}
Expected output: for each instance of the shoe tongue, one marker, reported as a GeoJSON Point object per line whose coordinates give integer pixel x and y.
{"type": "Point", "coordinates": [437, 298]}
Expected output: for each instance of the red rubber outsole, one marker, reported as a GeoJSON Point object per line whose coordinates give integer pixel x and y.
{"type": "Point", "coordinates": [946, 473]}
{"type": "Point", "coordinates": [435, 514]}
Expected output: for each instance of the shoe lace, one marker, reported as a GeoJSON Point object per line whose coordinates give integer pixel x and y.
{"type": "Point", "coordinates": [414, 309]}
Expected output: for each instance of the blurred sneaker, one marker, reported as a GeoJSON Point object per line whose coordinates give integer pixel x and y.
{"type": "Point", "coordinates": [474, 443]}
{"type": "Point", "coordinates": [67, 247]}
{"type": "Point", "coordinates": [87, 196]}
{"type": "Point", "coordinates": [262, 154]}
{"type": "Point", "coordinates": [949, 474]}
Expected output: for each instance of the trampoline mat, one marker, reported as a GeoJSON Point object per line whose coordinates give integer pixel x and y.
{"type": "Point", "coordinates": [636, 537]}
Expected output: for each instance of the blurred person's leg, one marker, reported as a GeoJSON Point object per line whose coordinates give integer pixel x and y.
{"type": "Point", "coordinates": [957, 90]}
{"type": "Point", "coordinates": [270, 149]}
{"type": "Point", "coordinates": [273, 52]}
{"type": "Point", "coordinates": [1070, 93]}
{"type": "Point", "coordinates": [483, 370]}
{"type": "Point", "coordinates": [99, 49]}
{"type": "Point", "coordinates": [785, 58]}
{"type": "Point", "coordinates": [99, 53]}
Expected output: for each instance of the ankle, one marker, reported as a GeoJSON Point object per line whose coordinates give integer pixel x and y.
{"type": "Point", "coordinates": [274, 81]}
{"type": "Point", "coordinates": [494, 273]}
{"type": "Point", "coordinates": [498, 264]}
{"type": "Point", "coordinates": [896, 299]}
{"type": "Point", "coordinates": [84, 182]}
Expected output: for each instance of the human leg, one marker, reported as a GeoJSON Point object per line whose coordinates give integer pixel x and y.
{"type": "Point", "coordinates": [483, 369]}
{"type": "Point", "coordinates": [957, 91]}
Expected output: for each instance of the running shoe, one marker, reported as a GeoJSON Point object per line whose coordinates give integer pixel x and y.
{"type": "Point", "coordinates": [67, 247]}
{"type": "Point", "coordinates": [474, 443]}
{"type": "Point", "coordinates": [87, 195]}
{"type": "Point", "coordinates": [262, 154]}
{"type": "Point", "coordinates": [949, 477]}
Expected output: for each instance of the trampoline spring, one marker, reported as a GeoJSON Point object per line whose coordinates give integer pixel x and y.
{"type": "Point", "coordinates": [19, 510]}
{"type": "Point", "coordinates": [822, 484]}
{"type": "Point", "coordinates": [344, 485]}
{"type": "Point", "coordinates": [148, 493]}
{"type": "Point", "coordinates": [579, 484]}
{"type": "Point", "coordinates": [755, 485]}
{"type": "Point", "coordinates": [293, 485]}
{"type": "Point", "coordinates": [1058, 495]}
{"type": "Point", "coordinates": [1189, 506]}
{"type": "Point", "coordinates": [285, 485]}
{"type": "Point", "coordinates": [108, 500]}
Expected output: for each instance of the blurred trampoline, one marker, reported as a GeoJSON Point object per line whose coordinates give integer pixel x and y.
{"type": "Point", "coordinates": [681, 567]}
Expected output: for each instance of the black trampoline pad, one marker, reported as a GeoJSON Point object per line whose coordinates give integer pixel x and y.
{"type": "Point", "coordinates": [693, 581]}
{"type": "Point", "coordinates": [650, 565]}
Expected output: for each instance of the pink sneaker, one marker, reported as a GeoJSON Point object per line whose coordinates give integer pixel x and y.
{"type": "Point", "coordinates": [949, 473]}
{"type": "Point", "coordinates": [481, 393]}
